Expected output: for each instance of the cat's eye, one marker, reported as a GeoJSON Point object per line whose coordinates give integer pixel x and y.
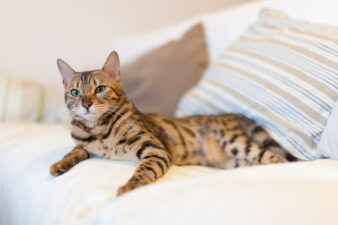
{"type": "Point", "coordinates": [75, 92]}
{"type": "Point", "coordinates": [100, 89]}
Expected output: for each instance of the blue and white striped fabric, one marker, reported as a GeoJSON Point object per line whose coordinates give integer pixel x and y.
{"type": "Point", "coordinates": [282, 73]}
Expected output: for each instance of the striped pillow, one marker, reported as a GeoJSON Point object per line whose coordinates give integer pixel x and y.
{"type": "Point", "coordinates": [282, 73]}
{"type": "Point", "coordinates": [21, 100]}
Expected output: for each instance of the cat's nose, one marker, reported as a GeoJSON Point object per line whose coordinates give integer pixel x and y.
{"type": "Point", "coordinates": [86, 103]}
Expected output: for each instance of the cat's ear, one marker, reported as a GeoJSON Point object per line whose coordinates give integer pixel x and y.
{"type": "Point", "coordinates": [65, 70]}
{"type": "Point", "coordinates": [112, 66]}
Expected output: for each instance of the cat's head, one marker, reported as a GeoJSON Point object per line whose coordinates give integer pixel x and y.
{"type": "Point", "coordinates": [90, 94]}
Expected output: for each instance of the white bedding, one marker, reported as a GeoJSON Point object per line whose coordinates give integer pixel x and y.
{"type": "Point", "coordinates": [298, 193]}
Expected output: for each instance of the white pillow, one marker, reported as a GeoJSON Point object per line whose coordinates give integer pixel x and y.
{"type": "Point", "coordinates": [328, 144]}
{"type": "Point", "coordinates": [30, 101]}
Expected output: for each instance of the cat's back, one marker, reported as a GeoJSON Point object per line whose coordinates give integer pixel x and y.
{"type": "Point", "coordinates": [196, 121]}
{"type": "Point", "coordinates": [188, 138]}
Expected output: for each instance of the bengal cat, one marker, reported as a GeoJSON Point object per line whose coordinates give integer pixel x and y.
{"type": "Point", "coordinates": [107, 124]}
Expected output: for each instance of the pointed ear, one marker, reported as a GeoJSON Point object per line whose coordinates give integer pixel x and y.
{"type": "Point", "coordinates": [65, 70]}
{"type": "Point", "coordinates": [112, 66]}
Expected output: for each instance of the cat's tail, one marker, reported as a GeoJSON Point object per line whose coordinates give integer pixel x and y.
{"type": "Point", "coordinates": [260, 136]}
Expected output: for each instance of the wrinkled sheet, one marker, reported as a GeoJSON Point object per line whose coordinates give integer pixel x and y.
{"type": "Point", "coordinates": [295, 193]}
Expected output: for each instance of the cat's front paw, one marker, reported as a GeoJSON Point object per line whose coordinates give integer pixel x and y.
{"type": "Point", "coordinates": [59, 168]}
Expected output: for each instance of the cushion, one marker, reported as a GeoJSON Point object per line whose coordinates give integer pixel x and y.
{"type": "Point", "coordinates": [30, 101]}
{"type": "Point", "coordinates": [157, 80]}
{"type": "Point", "coordinates": [282, 73]}
{"type": "Point", "coordinates": [328, 143]}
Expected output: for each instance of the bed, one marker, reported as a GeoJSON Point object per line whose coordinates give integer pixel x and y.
{"type": "Point", "coordinates": [297, 193]}
{"type": "Point", "coordinates": [294, 193]}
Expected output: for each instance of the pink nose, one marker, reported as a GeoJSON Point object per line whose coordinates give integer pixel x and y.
{"type": "Point", "coordinates": [86, 104]}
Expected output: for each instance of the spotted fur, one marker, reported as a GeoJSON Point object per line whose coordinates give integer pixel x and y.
{"type": "Point", "coordinates": [113, 128]}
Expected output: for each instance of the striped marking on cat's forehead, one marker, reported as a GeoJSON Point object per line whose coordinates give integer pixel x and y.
{"type": "Point", "coordinates": [86, 77]}
{"type": "Point", "coordinates": [93, 77]}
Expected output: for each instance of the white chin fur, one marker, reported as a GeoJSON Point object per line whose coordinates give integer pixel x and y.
{"type": "Point", "coordinates": [91, 116]}
{"type": "Point", "coordinates": [83, 113]}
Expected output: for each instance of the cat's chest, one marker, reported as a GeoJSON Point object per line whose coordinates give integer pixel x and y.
{"type": "Point", "coordinates": [105, 142]}
{"type": "Point", "coordinates": [107, 148]}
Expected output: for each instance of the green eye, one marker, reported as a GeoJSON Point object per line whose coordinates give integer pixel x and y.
{"type": "Point", "coordinates": [100, 89]}
{"type": "Point", "coordinates": [75, 93]}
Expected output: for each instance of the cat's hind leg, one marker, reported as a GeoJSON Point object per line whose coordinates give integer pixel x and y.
{"type": "Point", "coordinates": [260, 136]}
{"type": "Point", "coordinates": [243, 152]}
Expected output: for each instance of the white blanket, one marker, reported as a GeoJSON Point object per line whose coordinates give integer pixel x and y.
{"type": "Point", "coordinates": [297, 193]}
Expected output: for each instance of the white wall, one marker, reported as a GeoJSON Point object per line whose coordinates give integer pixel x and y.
{"type": "Point", "coordinates": [33, 33]}
{"type": "Point", "coordinates": [130, 16]}
{"type": "Point", "coordinates": [139, 15]}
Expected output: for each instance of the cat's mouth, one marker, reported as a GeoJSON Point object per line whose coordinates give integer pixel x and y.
{"type": "Point", "coordinates": [89, 115]}
{"type": "Point", "coordinates": [89, 111]}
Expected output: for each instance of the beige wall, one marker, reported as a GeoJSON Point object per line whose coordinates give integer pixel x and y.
{"type": "Point", "coordinates": [123, 16]}
{"type": "Point", "coordinates": [36, 32]}
{"type": "Point", "coordinates": [140, 15]}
